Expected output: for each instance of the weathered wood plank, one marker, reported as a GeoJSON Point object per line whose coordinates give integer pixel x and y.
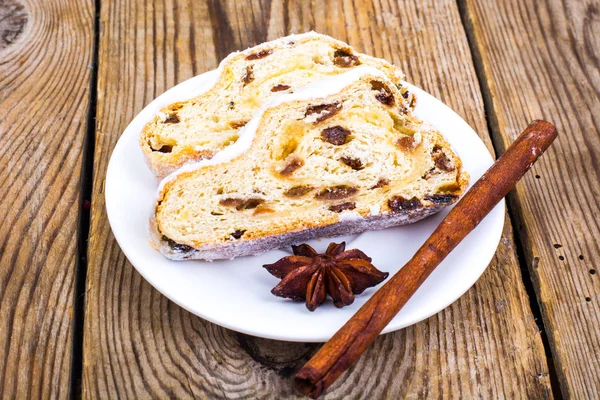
{"type": "Point", "coordinates": [139, 344]}
{"type": "Point", "coordinates": [45, 51]}
{"type": "Point", "coordinates": [540, 60]}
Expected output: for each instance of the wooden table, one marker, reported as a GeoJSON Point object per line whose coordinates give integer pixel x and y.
{"type": "Point", "coordinates": [77, 319]}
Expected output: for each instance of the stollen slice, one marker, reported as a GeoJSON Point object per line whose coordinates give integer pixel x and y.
{"type": "Point", "coordinates": [202, 126]}
{"type": "Point", "coordinates": [337, 157]}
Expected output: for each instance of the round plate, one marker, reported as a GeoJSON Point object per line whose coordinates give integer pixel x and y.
{"type": "Point", "coordinates": [236, 293]}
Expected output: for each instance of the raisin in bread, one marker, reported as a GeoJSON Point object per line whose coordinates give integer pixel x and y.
{"type": "Point", "coordinates": [200, 127]}
{"type": "Point", "coordinates": [337, 157]}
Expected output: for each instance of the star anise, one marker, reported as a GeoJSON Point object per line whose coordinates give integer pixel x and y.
{"type": "Point", "coordinates": [309, 276]}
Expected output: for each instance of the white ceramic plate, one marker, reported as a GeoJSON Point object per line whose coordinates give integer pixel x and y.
{"type": "Point", "coordinates": [236, 293]}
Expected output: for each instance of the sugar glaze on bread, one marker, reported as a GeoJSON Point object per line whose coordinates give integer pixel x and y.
{"type": "Point", "coordinates": [204, 125]}
{"type": "Point", "coordinates": [337, 157]}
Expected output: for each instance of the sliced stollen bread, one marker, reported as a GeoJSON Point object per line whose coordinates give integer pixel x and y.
{"type": "Point", "coordinates": [337, 157]}
{"type": "Point", "coordinates": [200, 127]}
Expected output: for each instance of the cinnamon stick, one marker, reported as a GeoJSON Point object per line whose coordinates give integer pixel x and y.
{"type": "Point", "coordinates": [348, 343]}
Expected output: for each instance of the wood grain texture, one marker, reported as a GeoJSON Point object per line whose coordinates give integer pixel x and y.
{"type": "Point", "coordinates": [44, 86]}
{"type": "Point", "coordinates": [541, 60]}
{"type": "Point", "coordinates": [138, 344]}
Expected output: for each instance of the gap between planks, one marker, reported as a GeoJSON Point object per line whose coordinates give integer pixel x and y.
{"type": "Point", "coordinates": [83, 225]}
{"type": "Point", "coordinates": [499, 148]}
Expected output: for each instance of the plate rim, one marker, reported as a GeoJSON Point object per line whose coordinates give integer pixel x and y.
{"type": "Point", "coordinates": [200, 82]}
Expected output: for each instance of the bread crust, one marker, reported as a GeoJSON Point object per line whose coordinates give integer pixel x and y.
{"type": "Point", "coordinates": [245, 247]}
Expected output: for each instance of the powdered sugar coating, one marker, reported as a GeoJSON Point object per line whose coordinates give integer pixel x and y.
{"type": "Point", "coordinates": [240, 248]}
